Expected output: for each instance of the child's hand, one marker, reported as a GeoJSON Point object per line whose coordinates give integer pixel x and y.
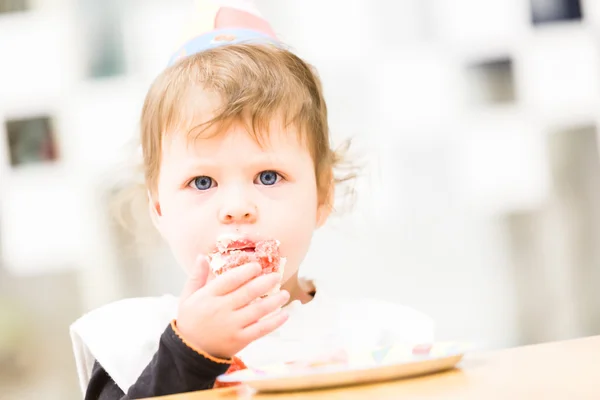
{"type": "Point", "coordinates": [216, 317]}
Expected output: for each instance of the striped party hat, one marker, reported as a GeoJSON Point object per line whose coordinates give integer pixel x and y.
{"type": "Point", "coordinates": [223, 22]}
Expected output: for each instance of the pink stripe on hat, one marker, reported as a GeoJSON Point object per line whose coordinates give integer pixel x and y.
{"type": "Point", "coordinates": [228, 17]}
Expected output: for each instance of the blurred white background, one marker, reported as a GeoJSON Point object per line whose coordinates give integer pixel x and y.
{"type": "Point", "coordinates": [479, 203]}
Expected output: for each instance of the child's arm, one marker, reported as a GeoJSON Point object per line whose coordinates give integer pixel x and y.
{"type": "Point", "coordinates": [215, 321]}
{"type": "Point", "coordinates": [175, 368]}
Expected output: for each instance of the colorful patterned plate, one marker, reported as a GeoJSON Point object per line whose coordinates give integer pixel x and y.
{"type": "Point", "coordinates": [342, 369]}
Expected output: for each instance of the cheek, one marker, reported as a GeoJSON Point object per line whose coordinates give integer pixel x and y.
{"type": "Point", "coordinates": [176, 235]}
{"type": "Point", "coordinates": [295, 227]}
{"type": "Point", "coordinates": [179, 228]}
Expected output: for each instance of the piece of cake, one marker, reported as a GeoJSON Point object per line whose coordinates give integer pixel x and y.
{"type": "Point", "coordinates": [234, 251]}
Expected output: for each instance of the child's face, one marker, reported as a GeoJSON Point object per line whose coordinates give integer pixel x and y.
{"type": "Point", "coordinates": [229, 183]}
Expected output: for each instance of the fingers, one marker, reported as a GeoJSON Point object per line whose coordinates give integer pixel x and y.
{"type": "Point", "coordinates": [261, 308]}
{"type": "Point", "coordinates": [197, 278]}
{"type": "Point", "coordinates": [253, 290]}
{"type": "Point", "coordinates": [263, 327]}
{"type": "Point", "coordinates": [233, 279]}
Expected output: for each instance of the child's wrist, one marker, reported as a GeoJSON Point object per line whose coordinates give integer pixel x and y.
{"type": "Point", "coordinates": [197, 349]}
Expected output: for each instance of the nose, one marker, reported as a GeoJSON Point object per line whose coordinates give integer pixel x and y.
{"type": "Point", "coordinates": [238, 209]}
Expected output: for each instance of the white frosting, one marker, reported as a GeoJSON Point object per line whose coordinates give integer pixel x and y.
{"type": "Point", "coordinates": [282, 262]}
{"type": "Point", "coordinates": [216, 262]}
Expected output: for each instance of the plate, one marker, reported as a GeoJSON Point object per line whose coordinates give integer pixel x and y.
{"type": "Point", "coordinates": [350, 368]}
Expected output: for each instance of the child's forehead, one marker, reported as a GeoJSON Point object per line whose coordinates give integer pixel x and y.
{"type": "Point", "coordinates": [198, 122]}
{"type": "Point", "coordinates": [236, 136]}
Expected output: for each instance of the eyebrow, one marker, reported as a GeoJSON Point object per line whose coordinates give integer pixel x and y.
{"type": "Point", "coordinates": [206, 163]}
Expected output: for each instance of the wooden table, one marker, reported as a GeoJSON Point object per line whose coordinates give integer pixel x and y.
{"type": "Point", "coordinates": [560, 370]}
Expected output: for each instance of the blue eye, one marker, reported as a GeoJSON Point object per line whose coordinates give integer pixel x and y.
{"type": "Point", "coordinates": [269, 178]}
{"type": "Point", "coordinates": [202, 183]}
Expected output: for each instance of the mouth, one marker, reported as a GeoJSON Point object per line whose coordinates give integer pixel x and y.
{"type": "Point", "coordinates": [249, 249]}
{"type": "Point", "coordinates": [228, 245]}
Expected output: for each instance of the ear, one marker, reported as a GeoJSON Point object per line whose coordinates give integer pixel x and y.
{"type": "Point", "coordinates": [325, 205]}
{"type": "Point", "coordinates": [154, 210]}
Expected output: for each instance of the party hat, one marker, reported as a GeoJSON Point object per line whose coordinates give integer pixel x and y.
{"type": "Point", "coordinates": [218, 23]}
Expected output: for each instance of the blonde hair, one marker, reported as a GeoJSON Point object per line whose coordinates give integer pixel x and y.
{"type": "Point", "coordinates": [255, 84]}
